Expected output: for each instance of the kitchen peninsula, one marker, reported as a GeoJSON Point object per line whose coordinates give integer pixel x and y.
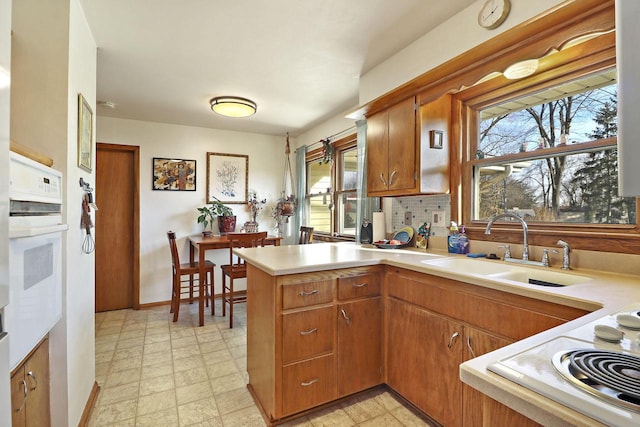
{"type": "Point", "coordinates": [325, 321]}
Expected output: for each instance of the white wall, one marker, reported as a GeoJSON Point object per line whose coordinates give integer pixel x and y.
{"type": "Point", "coordinates": [452, 38]}
{"type": "Point", "coordinates": [79, 356]}
{"type": "Point", "coordinates": [161, 211]}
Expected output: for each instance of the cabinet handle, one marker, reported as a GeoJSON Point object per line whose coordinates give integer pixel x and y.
{"type": "Point", "coordinates": [453, 337]}
{"type": "Point", "coordinates": [308, 383]}
{"type": "Point", "coordinates": [309, 332]}
{"type": "Point", "coordinates": [305, 294]}
{"type": "Point", "coordinates": [473, 353]}
{"type": "Point", "coordinates": [31, 375]}
{"type": "Point", "coordinates": [359, 285]}
{"type": "Point", "coordinates": [393, 174]}
{"type": "Point", "coordinates": [24, 399]}
{"type": "Point", "coordinates": [344, 314]}
{"type": "Point", "coordinates": [384, 181]}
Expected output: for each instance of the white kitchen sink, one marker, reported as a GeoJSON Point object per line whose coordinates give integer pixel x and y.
{"type": "Point", "coordinates": [509, 272]}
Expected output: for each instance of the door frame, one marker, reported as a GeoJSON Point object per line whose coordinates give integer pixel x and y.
{"type": "Point", "coordinates": [135, 150]}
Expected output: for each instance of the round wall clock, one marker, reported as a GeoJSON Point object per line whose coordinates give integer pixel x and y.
{"type": "Point", "coordinates": [493, 13]}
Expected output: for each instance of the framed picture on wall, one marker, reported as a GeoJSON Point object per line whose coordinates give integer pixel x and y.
{"type": "Point", "coordinates": [227, 178]}
{"type": "Point", "coordinates": [85, 134]}
{"type": "Point", "coordinates": [174, 174]}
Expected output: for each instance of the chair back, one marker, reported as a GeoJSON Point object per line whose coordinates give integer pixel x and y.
{"type": "Point", "coordinates": [306, 235]}
{"type": "Point", "coordinates": [243, 240]}
{"type": "Point", "coordinates": [175, 258]}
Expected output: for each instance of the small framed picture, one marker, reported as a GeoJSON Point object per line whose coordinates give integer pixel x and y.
{"type": "Point", "coordinates": [85, 134]}
{"type": "Point", "coordinates": [174, 174]}
{"type": "Point", "coordinates": [227, 178]}
{"type": "Point", "coordinates": [436, 138]}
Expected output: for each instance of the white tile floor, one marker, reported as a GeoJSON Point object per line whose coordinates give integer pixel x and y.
{"type": "Point", "coordinates": [153, 372]}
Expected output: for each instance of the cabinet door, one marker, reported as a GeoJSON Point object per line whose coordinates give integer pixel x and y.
{"type": "Point", "coordinates": [32, 378]}
{"type": "Point", "coordinates": [18, 399]}
{"type": "Point", "coordinates": [424, 352]}
{"type": "Point", "coordinates": [476, 344]}
{"type": "Point", "coordinates": [378, 152]}
{"type": "Point", "coordinates": [402, 146]}
{"type": "Point", "coordinates": [359, 345]}
{"type": "Point", "coordinates": [36, 372]}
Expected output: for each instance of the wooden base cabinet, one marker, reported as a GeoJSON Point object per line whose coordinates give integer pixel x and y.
{"type": "Point", "coordinates": [30, 389]}
{"type": "Point", "coordinates": [312, 338]}
{"type": "Point", "coordinates": [434, 324]}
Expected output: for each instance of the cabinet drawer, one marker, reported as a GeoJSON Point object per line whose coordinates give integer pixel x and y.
{"type": "Point", "coordinates": [363, 285]}
{"type": "Point", "coordinates": [306, 294]}
{"type": "Point", "coordinates": [308, 384]}
{"type": "Point", "coordinates": [307, 333]}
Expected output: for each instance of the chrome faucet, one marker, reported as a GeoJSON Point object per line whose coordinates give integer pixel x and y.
{"type": "Point", "coordinates": [525, 230]}
{"type": "Point", "coordinates": [565, 254]}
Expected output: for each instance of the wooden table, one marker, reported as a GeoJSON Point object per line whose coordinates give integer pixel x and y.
{"type": "Point", "coordinates": [202, 244]}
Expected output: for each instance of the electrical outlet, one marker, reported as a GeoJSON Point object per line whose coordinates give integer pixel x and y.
{"type": "Point", "coordinates": [407, 218]}
{"type": "Point", "coordinates": [437, 219]}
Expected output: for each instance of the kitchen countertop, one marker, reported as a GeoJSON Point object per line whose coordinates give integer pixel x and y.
{"type": "Point", "coordinates": [606, 293]}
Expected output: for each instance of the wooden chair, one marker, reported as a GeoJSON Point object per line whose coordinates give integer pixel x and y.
{"type": "Point", "coordinates": [181, 285]}
{"type": "Point", "coordinates": [237, 269]}
{"type": "Point", "coordinates": [306, 235]}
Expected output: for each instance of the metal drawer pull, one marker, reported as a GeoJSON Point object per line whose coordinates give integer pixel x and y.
{"type": "Point", "coordinates": [309, 332]}
{"type": "Point", "coordinates": [393, 174]}
{"type": "Point", "coordinates": [473, 354]}
{"type": "Point", "coordinates": [361, 285]}
{"type": "Point", "coordinates": [24, 399]}
{"type": "Point", "coordinates": [344, 314]}
{"type": "Point", "coordinates": [308, 383]}
{"type": "Point", "coordinates": [453, 337]}
{"type": "Point", "coordinates": [384, 181]}
{"type": "Point", "coordinates": [313, 292]}
{"type": "Point", "coordinates": [31, 375]}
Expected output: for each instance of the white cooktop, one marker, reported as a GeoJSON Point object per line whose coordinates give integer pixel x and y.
{"type": "Point", "coordinates": [533, 369]}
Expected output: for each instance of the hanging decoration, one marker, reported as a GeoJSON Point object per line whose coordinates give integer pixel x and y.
{"type": "Point", "coordinates": [286, 205]}
{"type": "Point", "coordinates": [327, 151]}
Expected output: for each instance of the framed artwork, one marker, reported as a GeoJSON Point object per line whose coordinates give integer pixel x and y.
{"type": "Point", "coordinates": [227, 178]}
{"type": "Point", "coordinates": [85, 133]}
{"type": "Point", "coordinates": [174, 174]}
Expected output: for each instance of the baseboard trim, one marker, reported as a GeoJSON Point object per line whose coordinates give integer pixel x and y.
{"type": "Point", "coordinates": [91, 402]}
{"type": "Point", "coordinates": [154, 304]}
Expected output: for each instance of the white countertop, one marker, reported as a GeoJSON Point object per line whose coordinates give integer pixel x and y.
{"type": "Point", "coordinates": [603, 295]}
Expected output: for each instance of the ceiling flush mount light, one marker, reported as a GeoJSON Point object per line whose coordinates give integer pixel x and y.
{"type": "Point", "coordinates": [521, 69]}
{"type": "Point", "coordinates": [233, 106]}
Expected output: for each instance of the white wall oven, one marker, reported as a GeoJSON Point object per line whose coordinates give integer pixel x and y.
{"type": "Point", "coordinates": [35, 250]}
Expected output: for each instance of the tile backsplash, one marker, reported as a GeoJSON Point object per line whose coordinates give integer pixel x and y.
{"type": "Point", "coordinates": [421, 209]}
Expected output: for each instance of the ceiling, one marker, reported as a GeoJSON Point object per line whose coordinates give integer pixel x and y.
{"type": "Point", "coordinates": [300, 61]}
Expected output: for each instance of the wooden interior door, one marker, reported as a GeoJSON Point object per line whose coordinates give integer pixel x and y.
{"type": "Point", "coordinates": [116, 225]}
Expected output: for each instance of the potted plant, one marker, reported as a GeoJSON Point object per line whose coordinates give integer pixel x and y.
{"type": "Point", "coordinates": [217, 209]}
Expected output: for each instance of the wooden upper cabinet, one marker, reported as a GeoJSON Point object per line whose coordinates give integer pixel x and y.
{"type": "Point", "coordinates": [392, 159]}
{"type": "Point", "coordinates": [398, 162]}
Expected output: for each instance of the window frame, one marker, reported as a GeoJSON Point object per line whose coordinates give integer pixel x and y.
{"type": "Point", "coordinates": [339, 146]}
{"type": "Point", "coordinates": [588, 57]}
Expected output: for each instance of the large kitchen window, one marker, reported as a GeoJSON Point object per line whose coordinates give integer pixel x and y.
{"type": "Point", "coordinates": [551, 156]}
{"type": "Point", "coordinates": [331, 190]}
{"type": "Point", "coordinates": [545, 148]}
